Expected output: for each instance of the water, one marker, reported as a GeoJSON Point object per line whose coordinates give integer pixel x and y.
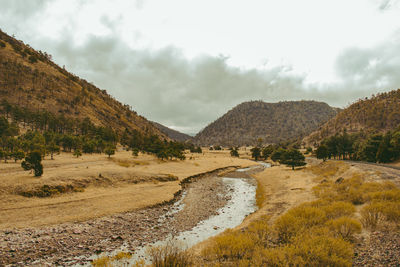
{"type": "Point", "coordinates": [242, 192]}
{"type": "Point", "coordinates": [242, 203]}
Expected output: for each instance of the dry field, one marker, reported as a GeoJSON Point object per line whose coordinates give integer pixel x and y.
{"type": "Point", "coordinates": [98, 185]}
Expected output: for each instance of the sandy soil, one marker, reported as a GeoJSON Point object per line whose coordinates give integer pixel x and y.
{"type": "Point", "coordinates": [115, 185]}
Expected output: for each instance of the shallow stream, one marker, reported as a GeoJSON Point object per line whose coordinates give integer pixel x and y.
{"type": "Point", "coordinates": [242, 202]}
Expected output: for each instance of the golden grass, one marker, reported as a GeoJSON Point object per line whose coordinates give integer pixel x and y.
{"type": "Point", "coordinates": [260, 195]}
{"type": "Point", "coordinates": [315, 233]}
{"type": "Point", "coordinates": [118, 259]}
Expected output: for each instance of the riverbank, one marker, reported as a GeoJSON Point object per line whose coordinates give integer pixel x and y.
{"type": "Point", "coordinates": [283, 191]}
{"type": "Point", "coordinates": [74, 243]}
{"type": "Point", "coordinates": [101, 186]}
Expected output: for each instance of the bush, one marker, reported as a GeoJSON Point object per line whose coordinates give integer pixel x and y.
{"type": "Point", "coordinates": [338, 209]}
{"type": "Point", "coordinates": [344, 227]}
{"type": "Point", "coordinates": [170, 255]}
{"type": "Point", "coordinates": [321, 250]}
{"type": "Point", "coordinates": [297, 220]}
{"type": "Point", "coordinates": [2, 44]}
{"type": "Point", "coordinates": [231, 245]}
{"type": "Point", "coordinates": [372, 214]}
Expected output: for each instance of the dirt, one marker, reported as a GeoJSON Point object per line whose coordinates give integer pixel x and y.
{"type": "Point", "coordinates": [110, 186]}
{"type": "Point", "coordinates": [73, 243]}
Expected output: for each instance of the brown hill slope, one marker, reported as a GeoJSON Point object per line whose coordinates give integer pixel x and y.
{"type": "Point", "coordinates": [273, 122]}
{"type": "Point", "coordinates": [30, 79]}
{"type": "Point", "coordinates": [173, 134]}
{"type": "Point", "coordinates": [379, 113]}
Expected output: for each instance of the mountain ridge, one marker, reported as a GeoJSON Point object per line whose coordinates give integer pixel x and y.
{"type": "Point", "coordinates": [272, 122]}
{"type": "Point", "coordinates": [30, 79]}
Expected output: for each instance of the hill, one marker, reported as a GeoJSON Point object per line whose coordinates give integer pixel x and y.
{"type": "Point", "coordinates": [273, 122]}
{"type": "Point", "coordinates": [30, 80]}
{"type": "Point", "coordinates": [173, 134]}
{"type": "Point", "coordinates": [377, 114]}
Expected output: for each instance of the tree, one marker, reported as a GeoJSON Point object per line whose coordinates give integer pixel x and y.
{"type": "Point", "coordinates": [77, 153]}
{"type": "Point", "coordinates": [385, 151]}
{"type": "Point", "coordinates": [33, 161]}
{"type": "Point", "coordinates": [18, 155]}
{"type": "Point", "coordinates": [109, 151]}
{"type": "Point", "coordinates": [135, 152]}
{"type": "Point", "coordinates": [276, 155]}
{"type": "Point", "coordinates": [267, 151]}
{"type": "Point", "coordinates": [322, 152]}
{"type": "Point", "coordinates": [234, 152]}
{"type": "Point", "coordinates": [293, 158]}
{"type": "Point", "coordinates": [53, 148]}
{"type": "Point", "coordinates": [255, 153]}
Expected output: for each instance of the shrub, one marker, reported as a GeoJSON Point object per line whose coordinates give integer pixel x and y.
{"type": "Point", "coordinates": [344, 227]}
{"type": "Point", "coordinates": [372, 214]}
{"type": "Point", "coordinates": [230, 245]}
{"type": "Point", "coordinates": [338, 209]}
{"type": "Point", "coordinates": [321, 250]}
{"type": "Point", "coordinates": [297, 220]}
{"type": "Point", "coordinates": [2, 44]}
{"type": "Point", "coordinates": [259, 230]}
{"type": "Point", "coordinates": [170, 255]}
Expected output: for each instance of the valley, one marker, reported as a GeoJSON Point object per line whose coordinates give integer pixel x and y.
{"type": "Point", "coordinates": [87, 181]}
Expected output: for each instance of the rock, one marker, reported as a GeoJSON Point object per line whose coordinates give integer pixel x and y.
{"type": "Point", "coordinates": [339, 180]}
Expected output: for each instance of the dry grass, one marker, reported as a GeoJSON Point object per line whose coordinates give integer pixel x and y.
{"type": "Point", "coordinates": [315, 233]}
{"type": "Point", "coordinates": [119, 259]}
{"type": "Point", "coordinates": [170, 255]}
{"type": "Point", "coordinates": [110, 186]}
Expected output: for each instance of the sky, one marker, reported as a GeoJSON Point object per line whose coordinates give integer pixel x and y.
{"type": "Point", "coordinates": [184, 63]}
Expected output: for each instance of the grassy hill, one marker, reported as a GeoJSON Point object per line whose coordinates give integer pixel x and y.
{"type": "Point", "coordinates": [377, 114]}
{"type": "Point", "coordinates": [273, 122]}
{"type": "Point", "coordinates": [30, 80]}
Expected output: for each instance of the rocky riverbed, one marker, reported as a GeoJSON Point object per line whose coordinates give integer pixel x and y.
{"type": "Point", "coordinates": [74, 243]}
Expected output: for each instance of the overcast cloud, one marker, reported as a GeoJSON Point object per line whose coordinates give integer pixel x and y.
{"type": "Point", "coordinates": [188, 90]}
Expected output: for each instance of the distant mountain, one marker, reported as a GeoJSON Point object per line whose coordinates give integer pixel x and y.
{"type": "Point", "coordinates": [380, 113]}
{"type": "Point", "coordinates": [173, 134]}
{"type": "Point", "coordinates": [30, 80]}
{"type": "Point", "coordinates": [273, 122]}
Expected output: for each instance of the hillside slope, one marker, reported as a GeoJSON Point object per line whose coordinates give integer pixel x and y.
{"type": "Point", "coordinates": [30, 80]}
{"type": "Point", "coordinates": [173, 134]}
{"type": "Point", "coordinates": [273, 122]}
{"type": "Point", "coordinates": [380, 113]}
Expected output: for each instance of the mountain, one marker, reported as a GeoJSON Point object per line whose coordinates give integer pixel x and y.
{"type": "Point", "coordinates": [273, 122]}
{"type": "Point", "coordinates": [30, 80]}
{"type": "Point", "coordinates": [379, 113]}
{"type": "Point", "coordinates": [173, 134]}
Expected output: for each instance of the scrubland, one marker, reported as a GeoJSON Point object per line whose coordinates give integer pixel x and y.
{"type": "Point", "coordinates": [317, 216]}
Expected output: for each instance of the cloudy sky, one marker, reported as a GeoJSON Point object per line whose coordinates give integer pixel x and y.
{"type": "Point", "coordinates": [184, 63]}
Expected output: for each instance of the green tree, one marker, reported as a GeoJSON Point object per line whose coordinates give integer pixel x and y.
{"type": "Point", "coordinates": [293, 158]}
{"type": "Point", "coordinates": [109, 151]}
{"type": "Point", "coordinates": [322, 152]}
{"type": "Point", "coordinates": [255, 153]}
{"type": "Point", "coordinates": [33, 161]}
{"type": "Point", "coordinates": [385, 151]}
{"type": "Point", "coordinates": [277, 154]}
{"type": "Point", "coordinates": [77, 153]}
{"type": "Point", "coordinates": [267, 151]}
{"type": "Point", "coordinates": [18, 155]}
{"type": "Point", "coordinates": [234, 152]}
{"type": "Point", "coordinates": [53, 148]}
{"type": "Point", "coordinates": [135, 152]}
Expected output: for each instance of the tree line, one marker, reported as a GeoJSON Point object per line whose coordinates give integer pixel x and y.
{"type": "Point", "coordinates": [48, 134]}
{"type": "Point", "coordinates": [376, 147]}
